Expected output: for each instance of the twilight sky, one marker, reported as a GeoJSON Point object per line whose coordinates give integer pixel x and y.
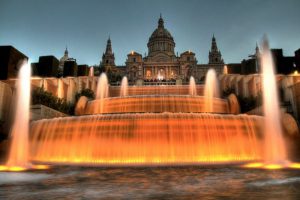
{"type": "Point", "coordinates": [45, 27]}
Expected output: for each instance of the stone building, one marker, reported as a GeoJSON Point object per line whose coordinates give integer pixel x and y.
{"type": "Point", "coordinates": [161, 64]}
{"type": "Point", "coordinates": [10, 62]}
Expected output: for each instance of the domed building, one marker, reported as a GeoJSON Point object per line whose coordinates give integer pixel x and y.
{"type": "Point", "coordinates": [161, 64]}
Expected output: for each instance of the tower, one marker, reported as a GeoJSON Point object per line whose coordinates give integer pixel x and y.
{"type": "Point", "coordinates": [108, 58]}
{"type": "Point", "coordinates": [215, 56]}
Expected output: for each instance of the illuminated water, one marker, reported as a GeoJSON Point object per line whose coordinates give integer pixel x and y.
{"type": "Point", "coordinates": [172, 183]}
{"type": "Point", "coordinates": [193, 91]}
{"type": "Point", "coordinates": [124, 87]}
{"type": "Point", "coordinates": [147, 139]}
{"type": "Point", "coordinates": [91, 72]}
{"type": "Point", "coordinates": [275, 150]}
{"type": "Point", "coordinates": [211, 90]}
{"type": "Point", "coordinates": [19, 149]}
{"type": "Point", "coordinates": [102, 90]}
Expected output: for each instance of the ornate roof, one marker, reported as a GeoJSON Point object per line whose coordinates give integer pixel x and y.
{"type": "Point", "coordinates": [160, 32]}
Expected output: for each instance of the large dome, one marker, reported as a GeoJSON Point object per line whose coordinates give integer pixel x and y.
{"type": "Point", "coordinates": [161, 40]}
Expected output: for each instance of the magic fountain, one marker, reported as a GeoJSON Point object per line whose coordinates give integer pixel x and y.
{"type": "Point", "coordinates": [157, 125]}
{"type": "Point", "coordinates": [155, 128]}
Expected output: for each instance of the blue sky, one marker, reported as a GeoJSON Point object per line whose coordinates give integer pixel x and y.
{"type": "Point", "coordinates": [45, 27]}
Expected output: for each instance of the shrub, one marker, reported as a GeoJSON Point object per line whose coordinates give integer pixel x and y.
{"type": "Point", "coordinates": [40, 96]}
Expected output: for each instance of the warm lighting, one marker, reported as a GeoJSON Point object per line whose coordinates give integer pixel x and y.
{"type": "Point", "coordinates": [295, 72]}
{"type": "Point", "coordinates": [225, 69]}
{"type": "Point", "coordinates": [40, 167]}
{"type": "Point", "coordinates": [193, 139]}
{"type": "Point", "coordinates": [272, 166]}
{"type": "Point", "coordinates": [12, 168]}
{"type": "Point", "coordinates": [132, 52]}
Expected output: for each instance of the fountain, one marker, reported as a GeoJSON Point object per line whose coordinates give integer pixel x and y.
{"type": "Point", "coordinates": [124, 87]}
{"type": "Point", "coordinates": [102, 90]}
{"type": "Point", "coordinates": [225, 69]}
{"type": "Point", "coordinates": [91, 72]}
{"type": "Point", "coordinates": [275, 151]}
{"type": "Point", "coordinates": [211, 90]}
{"type": "Point", "coordinates": [193, 90]}
{"type": "Point", "coordinates": [275, 155]}
{"type": "Point", "coordinates": [60, 89]}
{"type": "Point", "coordinates": [19, 158]}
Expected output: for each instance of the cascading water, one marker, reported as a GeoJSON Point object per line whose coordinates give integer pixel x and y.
{"type": "Point", "coordinates": [192, 87]}
{"type": "Point", "coordinates": [147, 139]}
{"type": "Point", "coordinates": [124, 87]}
{"type": "Point", "coordinates": [211, 90]}
{"type": "Point", "coordinates": [102, 90]}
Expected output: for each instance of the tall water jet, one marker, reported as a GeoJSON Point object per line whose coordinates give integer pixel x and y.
{"type": "Point", "coordinates": [19, 150]}
{"type": "Point", "coordinates": [124, 87]}
{"type": "Point", "coordinates": [192, 87]}
{"type": "Point", "coordinates": [102, 90]}
{"type": "Point", "coordinates": [225, 69]}
{"type": "Point", "coordinates": [211, 90]}
{"type": "Point", "coordinates": [275, 151]}
{"type": "Point", "coordinates": [60, 89]}
{"type": "Point", "coordinates": [91, 72]}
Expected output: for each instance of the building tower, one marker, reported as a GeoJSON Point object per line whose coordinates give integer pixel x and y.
{"type": "Point", "coordinates": [215, 56]}
{"type": "Point", "coordinates": [108, 58]}
{"type": "Point", "coordinates": [64, 58]}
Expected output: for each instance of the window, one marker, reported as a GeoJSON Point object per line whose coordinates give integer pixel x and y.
{"type": "Point", "coordinates": [106, 61]}
{"type": "Point", "coordinates": [188, 58]}
{"type": "Point", "coordinates": [134, 60]}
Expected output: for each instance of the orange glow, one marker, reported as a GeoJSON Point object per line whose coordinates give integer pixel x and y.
{"type": "Point", "coordinates": [12, 168]}
{"type": "Point", "coordinates": [157, 104]}
{"type": "Point", "coordinates": [272, 166]}
{"type": "Point", "coordinates": [146, 139]}
{"type": "Point", "coordinates": [294, 165]}
{"type": "Point", "coordinates": [41, 167]}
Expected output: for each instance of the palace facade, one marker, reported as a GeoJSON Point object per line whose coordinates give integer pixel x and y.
{"type": "Point", "coordinates": [161, 63]}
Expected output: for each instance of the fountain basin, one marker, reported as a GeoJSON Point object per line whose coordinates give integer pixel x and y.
{"type": "Point", "coordinates": [114, 91]}
{"type": "Point", "coordinates": [147, 139]}
{"type": "Point", "coordinates": [154, 104]}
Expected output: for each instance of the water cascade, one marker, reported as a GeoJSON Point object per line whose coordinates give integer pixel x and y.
{"type": "Point", "coordinates": [147, 139]}
{"type": "Point", "coordinates": [193, 89]}
{"type": "Point", "coordinates": [124, 87]}
{"type": "Point", "coordinates": [211, 90]}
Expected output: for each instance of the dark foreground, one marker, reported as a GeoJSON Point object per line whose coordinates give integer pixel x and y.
{"type": "Point", "coordinates": [220, 182]}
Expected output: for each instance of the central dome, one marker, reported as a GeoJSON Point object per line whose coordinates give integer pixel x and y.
{"type": "Point", "coordinates": [161, 41]}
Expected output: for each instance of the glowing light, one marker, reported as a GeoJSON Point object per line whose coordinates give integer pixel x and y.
{"type": "Point", "coordinates": [12, 168]}
{"type": "Point", "coordinates": [296, 72]}
{"type": "Point", "coordinates": [146, 139]}
{"type": "Point", "coordinates": [40, 167]}
{"type": "Point", "coordinates": [294, 165]}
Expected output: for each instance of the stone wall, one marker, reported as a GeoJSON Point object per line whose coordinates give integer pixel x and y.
{"type": "Point", "coordinates": [250, 86]}
{"type": "Point", "coordinates": [6, 98]}
{"type": "Point", "coordinates": [38, 112]}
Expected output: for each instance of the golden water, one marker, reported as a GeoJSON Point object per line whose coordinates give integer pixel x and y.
{"type": "Point", "coordinates": [147, 139]}
{"type": "Point", "coordinates": [155, 104]}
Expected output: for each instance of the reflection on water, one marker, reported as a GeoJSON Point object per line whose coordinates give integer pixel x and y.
{"type": "Point", "coordinates": [151, 183]}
